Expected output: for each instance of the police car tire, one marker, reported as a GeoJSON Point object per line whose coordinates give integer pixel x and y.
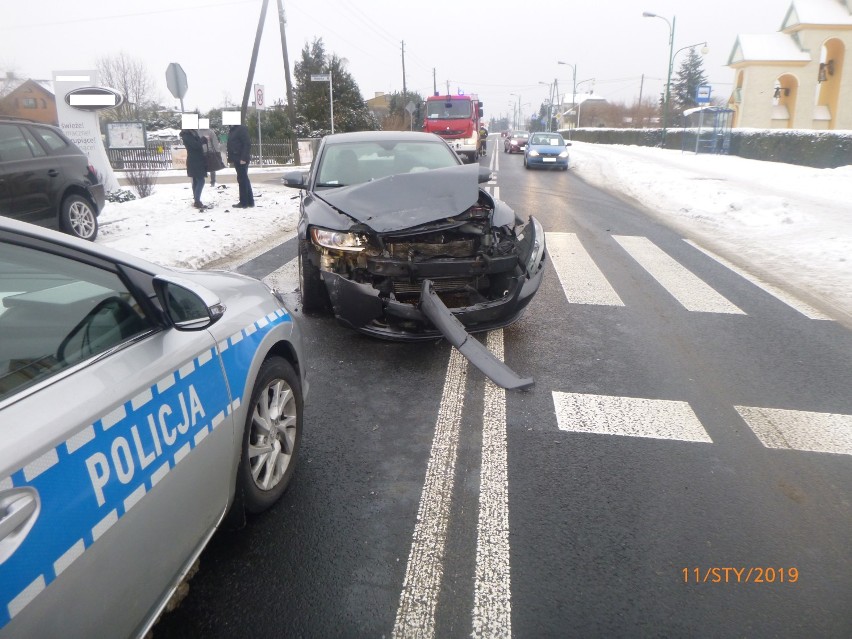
{"type": "Point", "coordinates": [273, 371]}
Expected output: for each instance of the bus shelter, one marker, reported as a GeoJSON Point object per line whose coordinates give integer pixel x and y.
{"type": "Point", "coordinates": [708, 129]}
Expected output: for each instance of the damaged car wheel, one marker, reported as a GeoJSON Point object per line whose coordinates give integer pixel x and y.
{"type": "Point", "coordinates": [272, 435]}
{"type": "Point", "coordinates": [314, 294]}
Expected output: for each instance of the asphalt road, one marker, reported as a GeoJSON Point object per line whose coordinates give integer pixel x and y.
{"type": "Point", "coordinates": [681, 467]}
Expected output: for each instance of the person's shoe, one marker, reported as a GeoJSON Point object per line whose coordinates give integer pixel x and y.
{"type": "Point", "coordinates": [249, 206]}
{"type": "Point", "coordinates": [198, 205]}
{"type": "Point", "coordinates": [239, 206]}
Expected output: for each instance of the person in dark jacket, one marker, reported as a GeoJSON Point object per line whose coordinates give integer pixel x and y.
{"type": "Point", "coordinates": [239, 156]}
{"type": "Point", "coordinates": [196, 164]}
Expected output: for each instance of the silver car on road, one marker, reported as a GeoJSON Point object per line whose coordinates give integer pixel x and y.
{"type": "Point", "coordinates": [139, 406]}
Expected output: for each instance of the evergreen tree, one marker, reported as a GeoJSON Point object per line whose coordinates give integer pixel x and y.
{"type": "Point", "coordinates": [312, 106]}
{"type": "Point", "coordinates": [689, 77]}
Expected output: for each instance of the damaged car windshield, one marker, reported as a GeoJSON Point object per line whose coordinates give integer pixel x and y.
{"type": "Point", "coordinates": [359, 162]}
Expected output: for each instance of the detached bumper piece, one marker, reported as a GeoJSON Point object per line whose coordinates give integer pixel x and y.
{"type": "Point", "coordinates": [476, 353]}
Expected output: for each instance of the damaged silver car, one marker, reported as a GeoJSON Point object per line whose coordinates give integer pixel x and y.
{"type": "Point", "coordinates": [399, 240]}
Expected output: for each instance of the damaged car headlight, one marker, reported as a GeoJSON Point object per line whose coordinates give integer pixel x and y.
{"type": "Point", "coordinates": [338, 240]}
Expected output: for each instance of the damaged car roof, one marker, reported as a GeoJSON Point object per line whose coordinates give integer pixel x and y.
{"type": "Point", "coordinates": [408, 199]}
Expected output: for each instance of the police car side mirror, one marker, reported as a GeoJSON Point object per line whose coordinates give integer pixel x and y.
{"type": "Point", "coordinates": [188, 306]}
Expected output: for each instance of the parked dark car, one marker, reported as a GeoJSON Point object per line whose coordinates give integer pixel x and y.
{"type": "Point", "coordinates": [47, 180]}
{"type": "Point", "coordinates": [516, 141]}
{"type": "Point", "coordinates": [389, 219]}
{"type": "Point", "coordinates": [546, 150]}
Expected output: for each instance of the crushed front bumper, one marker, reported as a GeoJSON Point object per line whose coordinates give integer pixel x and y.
{"type": "Point", "coordinates": [363, 308]}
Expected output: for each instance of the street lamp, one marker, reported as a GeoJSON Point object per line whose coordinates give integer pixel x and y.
{"type": "Point", "coordinates": [549, 85]}
{"type": "Point", "coordinates": [580, 102]}
{"type": "Point", "coordinates": [671, 25]}
{"type": "Point", "coordinates": [574, 82]}
{"type": "Point", "coordinates": [517, 95]}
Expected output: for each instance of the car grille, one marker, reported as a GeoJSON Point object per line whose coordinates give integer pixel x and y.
{"type": "Point", "coordinates": [440, 286]}
{"type": "Point", "coordinates": [426, 250]}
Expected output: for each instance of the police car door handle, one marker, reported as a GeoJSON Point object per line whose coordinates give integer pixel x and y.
{"type": "Point", "coordinates": [15, 511]}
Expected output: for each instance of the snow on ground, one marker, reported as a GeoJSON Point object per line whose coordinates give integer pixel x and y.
{"type": "Point", "coordinates": [789, 224]}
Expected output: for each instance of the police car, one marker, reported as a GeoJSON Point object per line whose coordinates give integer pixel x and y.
{"type": "Point", "coordinates": [139, 406]}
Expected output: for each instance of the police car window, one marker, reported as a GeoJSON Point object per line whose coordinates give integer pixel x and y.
{"type": "Point", "coordinates": [56, 312]}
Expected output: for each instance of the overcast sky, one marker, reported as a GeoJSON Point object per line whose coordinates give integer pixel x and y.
{"type": "Point", "coordinates": [491, 48]}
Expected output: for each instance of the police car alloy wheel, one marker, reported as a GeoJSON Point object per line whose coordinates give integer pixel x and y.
{"type": "Point", "coordinates": [272, 435]}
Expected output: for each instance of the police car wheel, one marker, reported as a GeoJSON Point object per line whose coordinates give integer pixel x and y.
{"type": "Point", "coordinates": [272, 435]}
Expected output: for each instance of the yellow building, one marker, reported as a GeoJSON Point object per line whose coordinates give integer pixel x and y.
{"type": "Point", "coordinates": [795, 78]}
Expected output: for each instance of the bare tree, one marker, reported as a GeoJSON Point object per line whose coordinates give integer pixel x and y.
{"type": "Point", "coordinates": [130, 77]}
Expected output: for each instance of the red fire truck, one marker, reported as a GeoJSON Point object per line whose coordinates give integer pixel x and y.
{"type": "Point", "coordinates": [456, 119]}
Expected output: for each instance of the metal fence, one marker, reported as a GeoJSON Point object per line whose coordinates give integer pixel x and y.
{"type": "Point", "coordinates": [158, 155]}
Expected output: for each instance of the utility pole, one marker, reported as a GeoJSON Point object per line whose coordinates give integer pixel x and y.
{"type": "Point", "coordinates": [639, 110]}
{"type": "Point", "coordinates": [434, 82]}
{"type": "Point", "coordinates": [404, 92]}
{"type": "Point", "coordinates": [253, 63]}
{"type": "Point", "coordinates": [291, 108]}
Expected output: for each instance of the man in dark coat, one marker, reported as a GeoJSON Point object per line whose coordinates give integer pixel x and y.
{"type": "Point", "coordinates": [196, 164]}
{"type": "Point", "coordinates": [239, 156]}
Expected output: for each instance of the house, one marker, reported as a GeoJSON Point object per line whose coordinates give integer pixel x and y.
{"type": "Point", "coordinates": [379, 105]}
{"type": "Point", "coordinates": [31, 99]}
{"type": "Point", "coordinates": [797, 77]}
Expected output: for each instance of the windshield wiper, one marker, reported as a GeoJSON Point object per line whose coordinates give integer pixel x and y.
{"type": "Point", "coordinates": [331, 184]}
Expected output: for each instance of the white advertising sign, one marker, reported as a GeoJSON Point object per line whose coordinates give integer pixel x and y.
{"type": "Point", "coordinates": [81, 127]}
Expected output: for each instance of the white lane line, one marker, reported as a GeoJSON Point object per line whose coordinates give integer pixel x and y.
{"type": "Point", "coordinates": [800, 430]}
{"type": "Point", "coordinates": [581, 279]}
{"type": "Point", "coordinates": [687, 288]}
{"type": "Point", "coordinates": [492, 606]}
{"type": "Point", "coordinates": [415, 616]}
{"type": "Point", "coordinates": [628, 417]}
{"type": "Point", "coordinates": [793, 302]}
{"type": "Point", "coordinates": [286, 278]}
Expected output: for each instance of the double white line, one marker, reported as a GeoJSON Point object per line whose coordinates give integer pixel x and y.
{"type": "Point", "coordinates": [418, 602]}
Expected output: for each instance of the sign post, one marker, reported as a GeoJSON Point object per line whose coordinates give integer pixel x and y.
{"type": "Point", "coordinates": [176, 82]}
{"type": "Point", "coordinates": [258, 105]}
{"type": "Point", "coordinates": [702, 95]}
{"type": "Point", "coordinates": [326, 77]}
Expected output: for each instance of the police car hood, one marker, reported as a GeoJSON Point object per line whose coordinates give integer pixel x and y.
{"type": "Point", "coordinates": [406, 200]}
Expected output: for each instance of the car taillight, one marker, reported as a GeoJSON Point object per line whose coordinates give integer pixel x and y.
{"type": "Point", "coordinates": [93, 175]}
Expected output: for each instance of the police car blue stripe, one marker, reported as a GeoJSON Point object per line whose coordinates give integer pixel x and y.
{"type": "Point", "coordinates": [111, 419]}
{"type": "Point", "coordinates": [160, 424]}
{"type": "Point", "coordinates": [166, 383]}
{"type": "Point", "coordinates": [26, 596]}
{"type": "Point", "coordinates": [104, 524]}
{"type": "Point", "coordinates": [40, 465]}
{"type": "Point", "coordinates": [69, 557]}
{"type": "Point", "coordinates": [79, 440]}
{"type": "Point", "coordinates": [134, 498]}
{"type": "Point", "coordinates": [159, 474]}
{"type": "Point", "coordinates": [141, 399]}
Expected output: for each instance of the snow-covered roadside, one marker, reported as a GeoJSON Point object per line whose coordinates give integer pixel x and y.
{"type": "Point", "coordinates": [791, 224]}
{"type": "Point", "coordinates": [166, 229]}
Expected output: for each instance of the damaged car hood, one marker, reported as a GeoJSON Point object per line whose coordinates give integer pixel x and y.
{"type": "Point", "coordinates": [405, 200]}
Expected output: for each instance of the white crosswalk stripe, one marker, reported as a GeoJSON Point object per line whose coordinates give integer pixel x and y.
{"type": "Point", "coordinates": [581, 279]}
{"type": "Point", "coordinates": [791, 301]}
{"type": "Point", "coordinates": [687, 288]}
{"type": "Point", "coordinates": [628, 416]}
{"type": "Point", "coordinates": [800, 430]}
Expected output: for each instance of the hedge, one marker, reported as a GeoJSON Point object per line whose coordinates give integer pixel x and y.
{"type": "Point", "coordinates": [818, 149]}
